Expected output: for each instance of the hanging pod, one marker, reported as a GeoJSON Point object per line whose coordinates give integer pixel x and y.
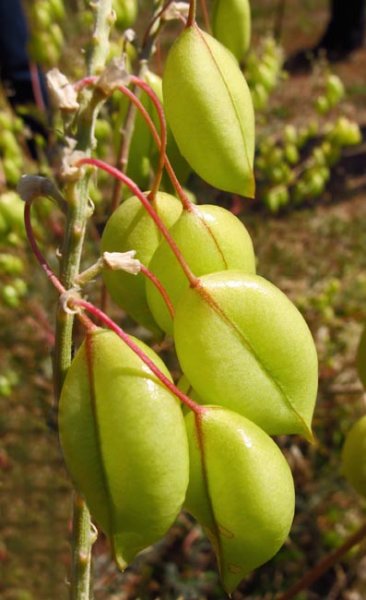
{"type": "Point", "coordinates": [126, 13]}
{"type": "Point", "coordinates": [240, 490]}
{"type": "Point", "coordinates": [243, 345]}
{"type": "Point", "coordinates": [354, 456]}
{"type": "Point", "coordinates": [231, 25]}
{"type": "Point", "coordinates": [209, 110]}
{"type": "Point", "coordinates": [210, 239]}
{"type": "Point", "coordinates": [124, 442]}
{"type": "Point", "coordinates": [131, 228]}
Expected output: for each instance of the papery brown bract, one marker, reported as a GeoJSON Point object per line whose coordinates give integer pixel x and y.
{"type": "Point", "coordinates": [240, 490]}
{"type": "Point", "coordinates": [124, 442]}
{"type": "Point", "coordinates": [243, 345]}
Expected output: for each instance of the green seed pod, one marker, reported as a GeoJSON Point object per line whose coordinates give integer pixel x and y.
{"type": "Point", "coordinates": [126, 13]}
{"type": "Point", "coordinates": [243, 345]}
{"type": "Point", "coordinates": [231, 25]}
{"type": "Point", "coordinates": [131, 228]}
{"type": "Point", "coordinates": [124, 442]}
{"type": "Point", "coordinates": [210, 239]}
{"type": "Point", "coordinates": [361, 358]}
{"type": "Point", "coordinates": [240, 489]}
{"type": "Point", "coordinates": [354, 456]}
{"type": "Point", "coordinates": [216, 134]}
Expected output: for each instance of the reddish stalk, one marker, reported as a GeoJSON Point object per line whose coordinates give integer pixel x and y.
{"type": "Point", "coordinates": [84, 82]}
{"type": "Point", "coordinates": [36, 87]}
{"type": "Point", "coordinates": [187, 204]}
{"type": "Point", "coordinates": [96, 162]}
{"type": "Point", "coordinates": [328, 561]}
{"type": "Point", "coordinates": [43, 262]}
{"type": "Point", "coordinates": [163, 131]}
{"type": "Point", "coordinates": [161, 289]}
{"type": "Point", "coordinates": [36, 251]}
{"type": "Point", "coordinates": [192, 13]}
{"type": "Point", "coordinates": [101, 316]}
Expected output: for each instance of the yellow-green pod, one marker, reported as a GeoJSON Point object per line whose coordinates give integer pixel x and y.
{"type": "Point", "coordinates": [354, 456]}
{"type": "Point", "coordinates": [126, 13]}
{"type": "Point", "coordinates": [240, 490]}
{"type": "Point", "coordinates": [124, 442]}
{"type": "Point", "coordinates": [243, 345]}
{"type": "Point", "coordinates": [211, 239]}
{"type": "Point", "coordinates": [209, 110]}
{"type": "Point", "coordinates": [231, 25]}
{"type": "Point", "coordinates": [131, 228]}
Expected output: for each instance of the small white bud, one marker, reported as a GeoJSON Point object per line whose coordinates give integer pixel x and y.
{"type": "Point", "coordinates": [122, 261]}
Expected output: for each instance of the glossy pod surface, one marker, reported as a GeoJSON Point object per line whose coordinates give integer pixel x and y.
{"type": "Point", "coordinates": [131, 228]}
{"type": "Point", "coordinates": [210, 239]}
{"type": "Point", "coordinates": [242, 344]}
{"type": "Point", "coordinates": [209, 110]}
{"type": "Point", "coordinates": [124, 442]}
{"type": "Point", "coordinates": [240, 490]}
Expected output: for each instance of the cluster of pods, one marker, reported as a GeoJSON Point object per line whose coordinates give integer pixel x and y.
{"type": "Point", "coordinates": [248, 358]}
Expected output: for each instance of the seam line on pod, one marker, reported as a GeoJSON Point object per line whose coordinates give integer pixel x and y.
{"type": "Point", "coordinates": [89, 362]}
{"type": "Point", "coordinates": [200, 439]}
{"type": "Point", "coordinates": [213, 304]}
{"type": "Point", "coordinates": [212, 235]}
{"type": "Point", "coordinates": [229, 94]}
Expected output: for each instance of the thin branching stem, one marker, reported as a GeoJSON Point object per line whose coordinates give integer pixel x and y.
{"type": "Point", "coordinates": [96, 162]}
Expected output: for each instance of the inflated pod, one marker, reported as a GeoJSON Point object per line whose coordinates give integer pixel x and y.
{"type": "Point", "coordinates": [361, 358]}
{"type": "Point", "coordinates": [209, 110]}
{"type": "Point", "coordinates": [124, 442]}
{"type": "Point", "coordinates": [240, 490]}
{"type": "Point", "coordinates": [131, 228]}
{"type": "Point", "coordinates": [211, 239]}
{"type": "Point", "coordinates": [126, 13]}
{"type": "Point", "coordinates": [243, 345]}
{"type": "Point", "coordinates": [354, 456]}
{"type": "Point", "coordinates": [231, 25]}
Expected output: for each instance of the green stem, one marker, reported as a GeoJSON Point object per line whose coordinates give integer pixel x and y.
{"type": "Point", "coordinates": [78, 211]}
{"type": "Point", "coordinates": [81, 563]}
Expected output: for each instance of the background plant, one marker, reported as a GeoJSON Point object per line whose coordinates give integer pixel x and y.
{"type": "Point", "coordinates": [332, 226]}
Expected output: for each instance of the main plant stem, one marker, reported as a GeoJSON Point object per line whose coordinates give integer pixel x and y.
{"type": "Point", "coordinates": [76, 194]}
